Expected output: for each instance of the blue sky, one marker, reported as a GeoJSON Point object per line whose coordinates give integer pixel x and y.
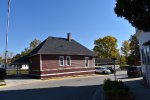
{"type": "Point", "coordinates": [86, 20]}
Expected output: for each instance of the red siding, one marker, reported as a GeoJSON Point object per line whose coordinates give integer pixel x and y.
{"type": "Point", "coordinates": [35, 63]}
{"type": "Point", "coordinates": [52, 62]}
{"type": "Point", "coordinates": [63, 70]}
{"type": "Point", "coordinates": [50, 66]}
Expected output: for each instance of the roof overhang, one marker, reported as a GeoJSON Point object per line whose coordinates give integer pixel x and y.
{"type": "Point", "coordinates": [146, 43]}
{"type": "Point", "coordinates": [21, 61]}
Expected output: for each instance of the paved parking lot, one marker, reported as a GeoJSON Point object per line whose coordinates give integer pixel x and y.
{"type": "Point", "coordinates": [72, 88]}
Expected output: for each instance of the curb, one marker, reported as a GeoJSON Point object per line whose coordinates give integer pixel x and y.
{"type": "Point", "coordinates": [71, 77]}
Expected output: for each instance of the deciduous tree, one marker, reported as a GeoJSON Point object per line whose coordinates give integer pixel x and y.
{"type": "Point", "coordinates": [106, 47]}
{"type": "Point", "coordinates": [0, 58]}
{"type": "Point", "coordinates": [137, 12]}
{"type": "Point", "coordinates": [134, 57]}
{"type": "Point", "coordinates": [125, 49]}
{"type": "Point", "coordinates": [34, 44]}
{"type": "Point", "coordinates": [27, 50]}
{"type": "Point", "coordinates": [123, 60]}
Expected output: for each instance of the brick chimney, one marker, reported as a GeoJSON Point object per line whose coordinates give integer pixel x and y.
{"type": "Point", "coordinates": [69, 37]}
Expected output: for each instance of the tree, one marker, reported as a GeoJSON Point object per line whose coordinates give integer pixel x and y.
{"type": "Point", "coordinates": [137, 12]}
{"type": "Point", "coordinates": [9, 55]}
{"type": "Point", "coordinates": [26, 51]}
{"type": "Point", "coordinates": [134, 57]}
{"type": "Point", "coordinates": [34, 44]}
{"type": "Point", "coordinates": [0, 58]}
{"type": "Point", "coordinates": [106, 47]}
{"type": "Point", "coordinates": [17, 56]}
{"type": "Point", "coordinates": [123, 60]}
{"type": "Point", "coordinates": [125, 48]}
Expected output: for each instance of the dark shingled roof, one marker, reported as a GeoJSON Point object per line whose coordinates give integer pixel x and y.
{"type": "Point", "coordinates": [61, 46]}
{"type": "Point", "coordinates": [22, 60]}
{"type": "Point", "coordinates": [147, 43]}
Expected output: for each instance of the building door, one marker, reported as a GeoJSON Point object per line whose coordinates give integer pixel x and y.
{"type": "Point", "coordinates": [86, 61]}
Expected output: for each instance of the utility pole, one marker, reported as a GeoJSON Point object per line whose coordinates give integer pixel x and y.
{"type": "Point", "coordinates": [7, 28]}
{"type": "Point", "coordinates": [114, 59]}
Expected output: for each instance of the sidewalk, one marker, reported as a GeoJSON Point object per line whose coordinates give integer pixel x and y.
{"type": "Point", "coordinates": [15, 80]}
{"type": "Point", "coordinates": [140, 92]}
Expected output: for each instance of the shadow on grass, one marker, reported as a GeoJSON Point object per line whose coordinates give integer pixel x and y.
{"type": "Point", "coordinates": [54, 93]}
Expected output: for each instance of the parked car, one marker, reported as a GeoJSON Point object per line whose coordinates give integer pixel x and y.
{"type": "Point", "coordinates": [135, 71]}
{"type": "Point", "coordinates": [102, 70]}
{"type": "Point", "coordinates": [111, 69]}
{"type": "Point", "coordinates": [2, 73]}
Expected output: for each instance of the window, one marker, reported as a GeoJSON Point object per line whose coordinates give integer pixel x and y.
{"type": "Point", "coordinates": [68, 61]}
{"type": "Point", "coordinates": [61, 60]}
{"type": "Point", "coordinates": [146, 54]}
{"type": "Point", "coordinates": [86, 61]}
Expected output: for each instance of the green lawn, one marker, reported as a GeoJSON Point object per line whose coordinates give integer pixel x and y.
{"type": "Point", "coordinates": [1, 80]}
{"type": "Point", "coordinates": [14, 72]}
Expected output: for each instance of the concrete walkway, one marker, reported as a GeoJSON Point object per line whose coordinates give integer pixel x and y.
{"type": "Point", "coordinates": [140, 92]}
{"type": "Point", "coordinates": [136, 86]}
{"type": "Point", "coordinates": [74, 88]}
{"type": "Point", "coordinates": [15, 80]}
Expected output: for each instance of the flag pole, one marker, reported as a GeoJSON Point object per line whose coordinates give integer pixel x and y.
{"type": "Point", "coordinates": [7, 28]}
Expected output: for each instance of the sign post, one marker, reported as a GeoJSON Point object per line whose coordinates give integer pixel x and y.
{"type": "Point", "coordinates": [114, 59]}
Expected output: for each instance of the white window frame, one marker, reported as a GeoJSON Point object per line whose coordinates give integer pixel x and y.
{"type": "Point", "coordinates": [67, 61]}
{"type": "Point", "coordinates": [60, 61]}
{"type": "Point", "coordinates": [86, 60]}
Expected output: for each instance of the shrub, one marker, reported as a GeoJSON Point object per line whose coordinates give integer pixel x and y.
{"type": "Point", "coordinates": [2, 73]}
{"type": "Point", "coordinates": [115, 88]}
{"type": "Point", "coordinates": [116, 93]}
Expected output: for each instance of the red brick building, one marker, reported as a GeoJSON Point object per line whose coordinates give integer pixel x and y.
{"type": "Point", "coordinates": [56, 57]}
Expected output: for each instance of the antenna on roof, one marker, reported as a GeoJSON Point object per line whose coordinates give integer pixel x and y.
{"type": "Point", "coordinates": [7, 28]}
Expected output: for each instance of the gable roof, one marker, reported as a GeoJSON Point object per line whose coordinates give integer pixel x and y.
{"type": "Point", "coordinates": [61, 46]}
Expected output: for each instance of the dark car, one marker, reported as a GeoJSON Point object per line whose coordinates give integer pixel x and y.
{"type": "Point", "coordinates": [2, 73]}
{"type": "Point", "coordinates": [135, 71]}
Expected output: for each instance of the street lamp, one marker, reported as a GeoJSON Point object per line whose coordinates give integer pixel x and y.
{"type": "Point", "coordinates": [114, 60]}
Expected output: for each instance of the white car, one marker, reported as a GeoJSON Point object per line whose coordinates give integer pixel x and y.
{"type": "Point", "coordinates": [102, 70]}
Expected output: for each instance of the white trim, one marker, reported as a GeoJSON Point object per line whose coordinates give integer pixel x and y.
{"type": "Point", "coordinates": [40, 62]}
{"type": "Point", "coordinates": [67, 61]}
{"type": "Point", "coordinates": [60, 61]}
{"type": "Point", "coordinates": [63, 73]}
{"type": "Point", "coordinates": [86, 62]}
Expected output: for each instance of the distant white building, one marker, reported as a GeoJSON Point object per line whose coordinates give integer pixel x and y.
{"type": "Point", "coordinates": [144, 44]}
{"type": "Point", "coordinates": [2, 65]}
